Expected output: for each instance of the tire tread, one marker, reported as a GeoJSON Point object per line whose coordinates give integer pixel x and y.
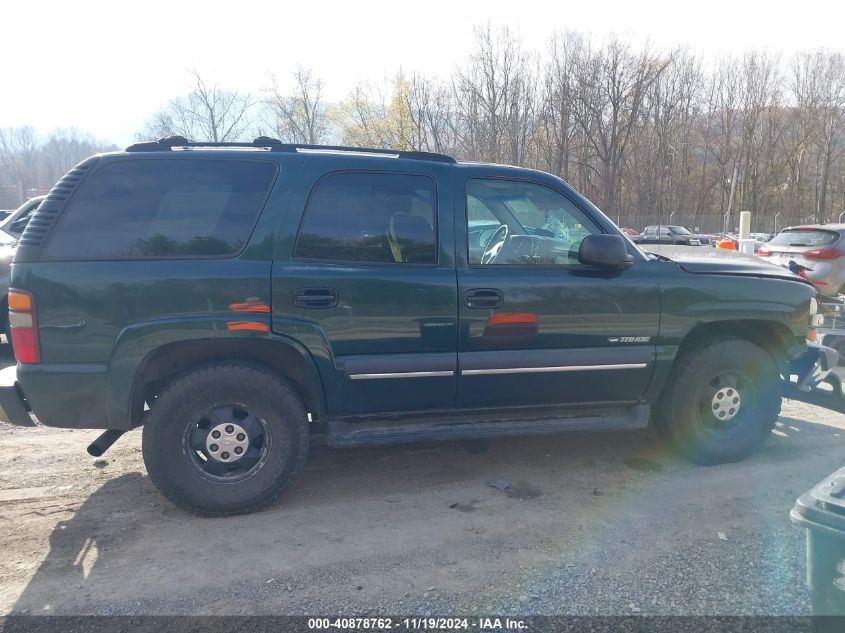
{"type": "Point", "coordinates": [201, 378]}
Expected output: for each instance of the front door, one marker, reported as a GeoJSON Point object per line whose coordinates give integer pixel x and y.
{"type": "Point", "coordinates": [536, 326]}
{"type": "Point", "coordinates": [370, 279]}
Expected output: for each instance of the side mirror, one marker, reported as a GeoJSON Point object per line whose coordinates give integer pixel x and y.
{"type": "Point", "coordinates": [604, 251]}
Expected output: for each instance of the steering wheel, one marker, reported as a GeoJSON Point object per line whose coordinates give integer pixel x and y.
{"type": "Point", "coordinates": [494, 245]}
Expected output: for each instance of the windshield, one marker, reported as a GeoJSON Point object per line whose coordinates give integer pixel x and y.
{"type": "Point", "coordinates": [804, 237]}
{"type": "Point", "coordinates": [679, 230]}
{"type": "Point", "coordinates": [17, 220]}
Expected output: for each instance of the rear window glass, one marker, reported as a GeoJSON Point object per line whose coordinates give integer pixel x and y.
{"type": "Point", "coordinates": [804, 237]}
{"type": "Point", "coordinates": [163, 208]}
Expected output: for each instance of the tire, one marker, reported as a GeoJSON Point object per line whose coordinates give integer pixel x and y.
{"type": "Point", "coordinates": [705, 383]}
{"type": "Point", "coordinates": [177, 439]}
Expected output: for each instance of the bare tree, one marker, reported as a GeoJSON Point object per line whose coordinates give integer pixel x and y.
{"type": "Point", "coordinates": [18, 158]}
{"type": "Point", "coordinates": [207, 113]}
{"type": "Point", "coordinates": [830, 120]}
{"type": "Point", "coordinates": [495, 99]}
{"type": "Point", "coordinates": [613, 82]}
{"type": "Point", "coordinates": [361, 117]}
{"type": "Point", "coordinates": [661, 159]}
{"type": "Point", "coordinates": [299, 117]}
{"type": "Point", "coordinates": [65, 148]}
{"type": "Point", "coordinates": [557, 127]}
{"type": "Point", "coordinates": [648, 134]}
{"type": "Point", "coordinates": [431, 110]}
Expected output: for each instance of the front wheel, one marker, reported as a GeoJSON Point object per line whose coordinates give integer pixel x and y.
{"type": "Point", "coordinates": [722, 401]}
{"type": "Point", "coordinates": [225, 439]}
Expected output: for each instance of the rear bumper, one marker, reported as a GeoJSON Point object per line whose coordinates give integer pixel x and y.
{"type": "Point", "coordinates": [65, 396]}
{"type": "Point", "coordinates": [13, 407]}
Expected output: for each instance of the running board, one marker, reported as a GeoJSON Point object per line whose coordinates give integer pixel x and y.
{"type": "Point", "coordinates": [343, 433]}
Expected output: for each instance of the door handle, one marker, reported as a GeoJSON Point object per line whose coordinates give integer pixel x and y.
{"type": "Point", "coordinates": [315, 298]}
{"type": "Point", "coordinates": [484, 298]}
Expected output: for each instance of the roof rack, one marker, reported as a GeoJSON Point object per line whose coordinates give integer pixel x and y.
{"type": "Point", "coordinates": [275, 145]}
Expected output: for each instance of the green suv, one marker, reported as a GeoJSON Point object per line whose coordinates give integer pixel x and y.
{"type": "Point", "coordinates": [236, 300]}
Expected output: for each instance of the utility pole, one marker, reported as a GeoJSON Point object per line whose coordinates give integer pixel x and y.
{"type": "Point", "coordinates": [727, 218]}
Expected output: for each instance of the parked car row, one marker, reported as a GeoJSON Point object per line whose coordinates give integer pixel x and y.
{"type": "Point", "coordinates": [677, 235]}
{"type": "Point", "coordinates": [682, 236]}
{"type": "Point", "coordinates": [816, 252]}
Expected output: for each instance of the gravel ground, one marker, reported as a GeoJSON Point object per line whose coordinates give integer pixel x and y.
{"type": "Point", "coordinates": [594, 524]}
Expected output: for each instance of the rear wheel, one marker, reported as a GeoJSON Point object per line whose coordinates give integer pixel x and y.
{"type": "Point", "coordinates": [722, 401]}
{"type": "Point", "coordinates": [225, 439]}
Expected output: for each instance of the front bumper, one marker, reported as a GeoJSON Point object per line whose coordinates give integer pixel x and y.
{"type": "Point", "coordinates": [810, 378]}
{"type": "Point", "coordinates": [813, 366]}
{"type": "Point", "coordinates": [13, 407]}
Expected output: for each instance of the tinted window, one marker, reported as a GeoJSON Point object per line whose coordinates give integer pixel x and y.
{"type": "Point", "coordinates": [370, 217]}
{"type": "Point", "coordinates": [163, 208]}
{"type": "Point", "coordinates": [513, 222]}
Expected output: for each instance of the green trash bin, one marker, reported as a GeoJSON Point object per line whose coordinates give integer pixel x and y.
{"type": "Point", "coordinates": [822, 512]}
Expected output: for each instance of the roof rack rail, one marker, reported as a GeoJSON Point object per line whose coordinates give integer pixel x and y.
{"type": "Point", "coordinates": [275, 145]}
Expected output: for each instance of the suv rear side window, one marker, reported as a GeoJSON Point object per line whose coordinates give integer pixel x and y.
{"type": "Point", "coordinates": [372, 217]}
{"type": "Point", "coordinates": [163, 208]}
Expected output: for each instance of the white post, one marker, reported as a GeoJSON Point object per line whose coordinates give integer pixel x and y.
{"type": "Point", "coordinates": [746, 244]}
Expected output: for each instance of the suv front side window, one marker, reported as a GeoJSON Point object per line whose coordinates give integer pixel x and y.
{"type": "Point", "coordinates": [522, 223]}
{"type": "Point", "coordinates": [370, 217]}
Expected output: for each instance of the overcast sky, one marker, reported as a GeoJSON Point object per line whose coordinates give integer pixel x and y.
{"type": "Point", "coordinates": [106, 66]}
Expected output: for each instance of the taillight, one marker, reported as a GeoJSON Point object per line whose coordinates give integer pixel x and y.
{"type": "Point", "coordinates": [764, 251]}
{"type": "Point", "coordinates": [823, 253]}
{"type": "Point", "coordinates": [23, 323]}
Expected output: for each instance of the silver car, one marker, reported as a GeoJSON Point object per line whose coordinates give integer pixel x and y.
{"type": "Point", "coordinates": [818, 249]}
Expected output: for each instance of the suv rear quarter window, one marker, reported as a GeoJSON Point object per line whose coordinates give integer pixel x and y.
{"type": "Point", "coordinates": [163, 208]}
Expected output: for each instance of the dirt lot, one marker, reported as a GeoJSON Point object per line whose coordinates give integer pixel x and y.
{"type": "Point", "coordinates": [595, 524]}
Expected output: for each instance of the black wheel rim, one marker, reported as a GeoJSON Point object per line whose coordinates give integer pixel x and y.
{"type": "Point", "coordinates": [227, 443]}
{"type": "Point", "coordinates": [725, 402]}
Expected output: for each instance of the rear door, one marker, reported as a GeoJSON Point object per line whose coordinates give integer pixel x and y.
{"type": "Point", "coordinates": [369, 278]}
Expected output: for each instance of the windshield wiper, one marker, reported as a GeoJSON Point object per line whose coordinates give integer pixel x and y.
{"type": "Point", "coordinates": [661, 257]}
{"type": "Point", "coordinates": [801, 244]}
